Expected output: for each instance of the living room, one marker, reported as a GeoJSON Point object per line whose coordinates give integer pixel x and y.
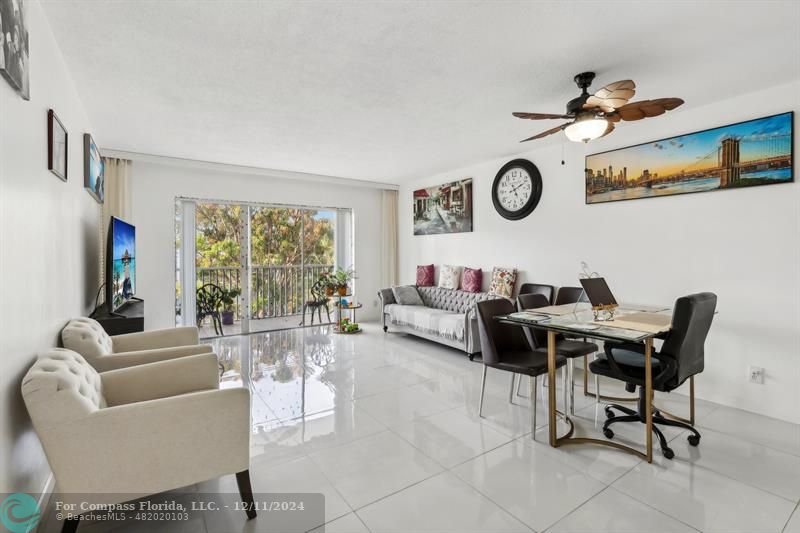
{"type": "Point", "coordinates": [401, 318]}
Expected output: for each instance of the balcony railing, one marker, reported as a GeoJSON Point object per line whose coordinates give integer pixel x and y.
{"type": "Point", "coordinates": [275, 290]}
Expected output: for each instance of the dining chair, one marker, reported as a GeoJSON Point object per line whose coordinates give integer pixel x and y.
{"type": "Point", "coordinates": [505, 347]}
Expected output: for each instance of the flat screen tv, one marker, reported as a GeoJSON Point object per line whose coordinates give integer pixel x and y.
{"type": "Point", "coordinates": [120, 264]}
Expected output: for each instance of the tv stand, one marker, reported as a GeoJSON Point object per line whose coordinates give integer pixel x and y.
{"type": "Point", "coordinates": [127, 319]}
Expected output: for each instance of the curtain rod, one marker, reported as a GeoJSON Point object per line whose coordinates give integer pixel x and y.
{"type": "Point", "coordinates": [243, 169]}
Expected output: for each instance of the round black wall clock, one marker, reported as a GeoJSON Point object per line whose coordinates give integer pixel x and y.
{"type": "Point", "coordinates": [517, 189]}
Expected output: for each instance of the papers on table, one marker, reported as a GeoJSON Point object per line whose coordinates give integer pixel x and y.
{"type": "Point", "coordinates": [647, 322]}
{"type": "Point", "coordinates": [565, 309]}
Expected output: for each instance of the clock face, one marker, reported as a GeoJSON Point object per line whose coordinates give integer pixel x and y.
{"type": "Point", "coordinates": [517, 189]}
{"type": "Point", "coordinates": [514, 189]}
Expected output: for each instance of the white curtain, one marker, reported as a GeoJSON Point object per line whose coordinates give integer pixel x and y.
{"type": "Point", "coordinates": [117, 175]}
{"type": "Point", "coordinates": [389, 238]}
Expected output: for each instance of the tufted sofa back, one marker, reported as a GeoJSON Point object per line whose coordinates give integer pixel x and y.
{"type": "Point", "coordinates": [87, 337]}
{"type": "Point", "coordinates": [61, 386]}
{"type": "Point", "coordinates": [452, 300]}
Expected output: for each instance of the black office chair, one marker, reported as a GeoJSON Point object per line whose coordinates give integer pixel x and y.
{"type": "Point", "coordinates": [505, 347]}
{"type": "Point", "coordinates": [681, 357]}
{"type": "Point", "coordinates": [568, 348]}
{"type": "Point", "coordinates": [537, 288]}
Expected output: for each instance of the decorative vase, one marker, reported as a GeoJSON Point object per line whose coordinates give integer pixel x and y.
{"type": "Point", "coordinates": [342, 291]}
{"type": "Point", "coordinates": [227, 318]}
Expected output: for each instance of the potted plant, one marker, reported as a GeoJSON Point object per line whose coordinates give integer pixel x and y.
{"type": "Point", "coordinates": [327, 280]}
{"type": "Point", "coordinates": [342, 278]}
{"type": "Point", "coordinates": [228, 299]}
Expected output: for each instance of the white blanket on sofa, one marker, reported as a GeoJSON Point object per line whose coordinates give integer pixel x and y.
{"type": "Point", "coordinates": [428, 320]}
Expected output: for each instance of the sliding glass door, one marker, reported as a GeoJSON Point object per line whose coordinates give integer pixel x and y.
{"type": "Point", "coordinates": [253, 265]}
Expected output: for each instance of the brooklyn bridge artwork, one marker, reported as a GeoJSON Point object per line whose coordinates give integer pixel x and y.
{"type": "Point", "coordinates": [746, 154]}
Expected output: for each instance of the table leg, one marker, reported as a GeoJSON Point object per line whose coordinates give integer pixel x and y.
{"type": "Point", "coordinates": [648, 395]}
{"type": "Point", "coordinates": [551, 387]}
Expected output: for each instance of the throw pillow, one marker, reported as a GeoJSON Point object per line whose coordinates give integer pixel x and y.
{"type": "Point", "coordinates": [450, 276]}
{"type": "Point", "coordinates": [407, 295]}
{"type": "Point", "coordinates": [503, 280]}
{"type": "Point", "coordinates": [425, 276]}
{"type": "Point", "coordinates": [472, 280]}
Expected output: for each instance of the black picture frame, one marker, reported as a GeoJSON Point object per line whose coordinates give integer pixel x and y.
{"type": "Point", "coordinates": [93, 171]}
{"type": "Point", "coordinates": [536, 193]}
{"type": "Point", "coordinates": [666, 140]}
{"type": "Point", "coordinates": [57, 146]}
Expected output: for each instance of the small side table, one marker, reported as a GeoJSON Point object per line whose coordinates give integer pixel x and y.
{"type": "Point", "coordinates": [337, 328]}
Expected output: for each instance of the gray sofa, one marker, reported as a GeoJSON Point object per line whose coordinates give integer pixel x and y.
{"type": "Point", "coordinates": [447, 316]}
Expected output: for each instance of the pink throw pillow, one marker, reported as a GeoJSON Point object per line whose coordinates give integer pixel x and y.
{"type": "Point", "coordinates": [425, 276]}
{"type": "Point", "coordinates": [472, 280]}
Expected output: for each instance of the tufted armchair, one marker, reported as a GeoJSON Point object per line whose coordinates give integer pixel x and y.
{"type": "Point", "coordinates": [119, 435]}
{"type": "Point", "coordinates": [87, 337]}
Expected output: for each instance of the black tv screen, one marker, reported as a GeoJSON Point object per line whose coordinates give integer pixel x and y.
{"type": "Point", "coordinates": [120, 263]}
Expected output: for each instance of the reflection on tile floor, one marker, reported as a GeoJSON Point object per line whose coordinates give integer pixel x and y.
{"type": "Point", "coordinates": [386, 426]}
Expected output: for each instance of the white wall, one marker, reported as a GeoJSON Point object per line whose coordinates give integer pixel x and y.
{"type": "Point", "coordinates": [744, 245]}
{"type": "Point", "coordinates": [155, 187]}
{"type": "Point", "coordinates": [49, 242]}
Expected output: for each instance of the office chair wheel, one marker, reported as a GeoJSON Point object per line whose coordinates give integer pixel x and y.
{"type": "Point", "coordinates": [608, 433]}
{"type": "Point", "coordinates": [609, 413]}
{"type": "Point", "coordinates": [694, 440]}
{"type": "Point", "coordinates": [667, 453]}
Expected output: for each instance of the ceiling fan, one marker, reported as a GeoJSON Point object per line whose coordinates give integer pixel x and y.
{"type": "Point", "coordinates": [594, 115]}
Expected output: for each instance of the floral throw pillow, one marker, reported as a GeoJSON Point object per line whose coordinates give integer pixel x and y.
{"type": "Point", "coordinates": [450, 276]}
{"type": "Point", "coordinates": [425, 276]}
{"type": "Point", "coordinates": [503, 280]}
{"type": "Point", "coordinates": [472, 280]}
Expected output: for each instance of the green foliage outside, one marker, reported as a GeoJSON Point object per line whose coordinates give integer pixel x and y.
{"type": "Point", "coordinates": [279, 236]}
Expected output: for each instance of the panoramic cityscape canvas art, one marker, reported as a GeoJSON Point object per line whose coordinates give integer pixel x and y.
{"type": "Point", "coordinates": [446, 208]}
{"type": "Point", "coordinates": [745, 154]}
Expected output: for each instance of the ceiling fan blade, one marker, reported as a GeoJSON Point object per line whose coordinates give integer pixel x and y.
{"type": "Point", "coordinates": [612, 96]}
{"type": "Point", "coordinates": [646, 108]}
{"type": "Point", "coordinates": [538, 116]}
{"type": "Point", "coordinates": [548, 132]}
{"type": "Point", "coordinates": [609, 129]}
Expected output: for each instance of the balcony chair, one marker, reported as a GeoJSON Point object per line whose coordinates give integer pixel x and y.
{"type": "Point", "coordinates": [680, 358]}
{"type": "Point", "coordinates": [505, 347]}
{"type": "Point", "coordinates": [104, 352]}
{"type": "Point", "coordinates": [317, 302]}
{"type": "Point", "coordinates": [209, 301]}
{"type": "Point", "coordinates": [124, 434]}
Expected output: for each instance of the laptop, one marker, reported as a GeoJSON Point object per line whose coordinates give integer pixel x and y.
{"type": "Point", "coordinates": [598, 292]}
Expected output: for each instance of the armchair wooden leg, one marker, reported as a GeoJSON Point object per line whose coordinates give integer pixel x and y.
{"type": "Point", "coordinates": [246, 492]}
{"type": "Point", "coordinates": [70, 525]}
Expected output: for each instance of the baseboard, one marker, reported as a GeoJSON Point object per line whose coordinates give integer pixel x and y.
{"type": "Point", "coordinates": [44, 500]}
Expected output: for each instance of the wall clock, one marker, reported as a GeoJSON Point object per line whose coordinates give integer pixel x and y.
{"type": "Point", "coordinates": [517, 189]}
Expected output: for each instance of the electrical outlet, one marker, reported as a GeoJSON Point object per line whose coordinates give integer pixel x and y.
{"type": "Point", "coordinates": [756, 374]}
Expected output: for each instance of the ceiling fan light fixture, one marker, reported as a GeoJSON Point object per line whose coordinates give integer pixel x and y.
{"type": "Point", "coordinates": [586, 128]}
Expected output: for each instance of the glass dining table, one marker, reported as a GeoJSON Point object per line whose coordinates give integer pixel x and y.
{"type": "Point", "coordinates": [581, 320]}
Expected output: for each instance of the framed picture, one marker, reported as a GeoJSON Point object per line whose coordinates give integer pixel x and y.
{"type": "Point", "coordinates": [740, 155]}
{"type": "Point", "coordinates": [446, 208]}
{"type": "Point", "coordinates": [14, 46]}
{"type": "Point", "coordinates": [93, 178]}
{"type": "Point", "coordinates": [56, 146]}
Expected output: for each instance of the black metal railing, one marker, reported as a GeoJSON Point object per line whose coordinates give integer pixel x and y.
{"type": "Point", "coordinates": [275, 290]}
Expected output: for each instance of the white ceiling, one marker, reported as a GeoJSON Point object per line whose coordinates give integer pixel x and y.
{"type": "Point", "coordinates": [393, 91]}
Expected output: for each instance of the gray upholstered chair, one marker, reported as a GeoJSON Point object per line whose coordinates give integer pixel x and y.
{"type": "Point", "coordinates": [104, 352]}
{"type": "Point", "coordinates": [119, 435]}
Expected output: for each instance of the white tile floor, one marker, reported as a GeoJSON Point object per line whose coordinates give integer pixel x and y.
{"type": "Point", "coordinates": [386, 427]}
